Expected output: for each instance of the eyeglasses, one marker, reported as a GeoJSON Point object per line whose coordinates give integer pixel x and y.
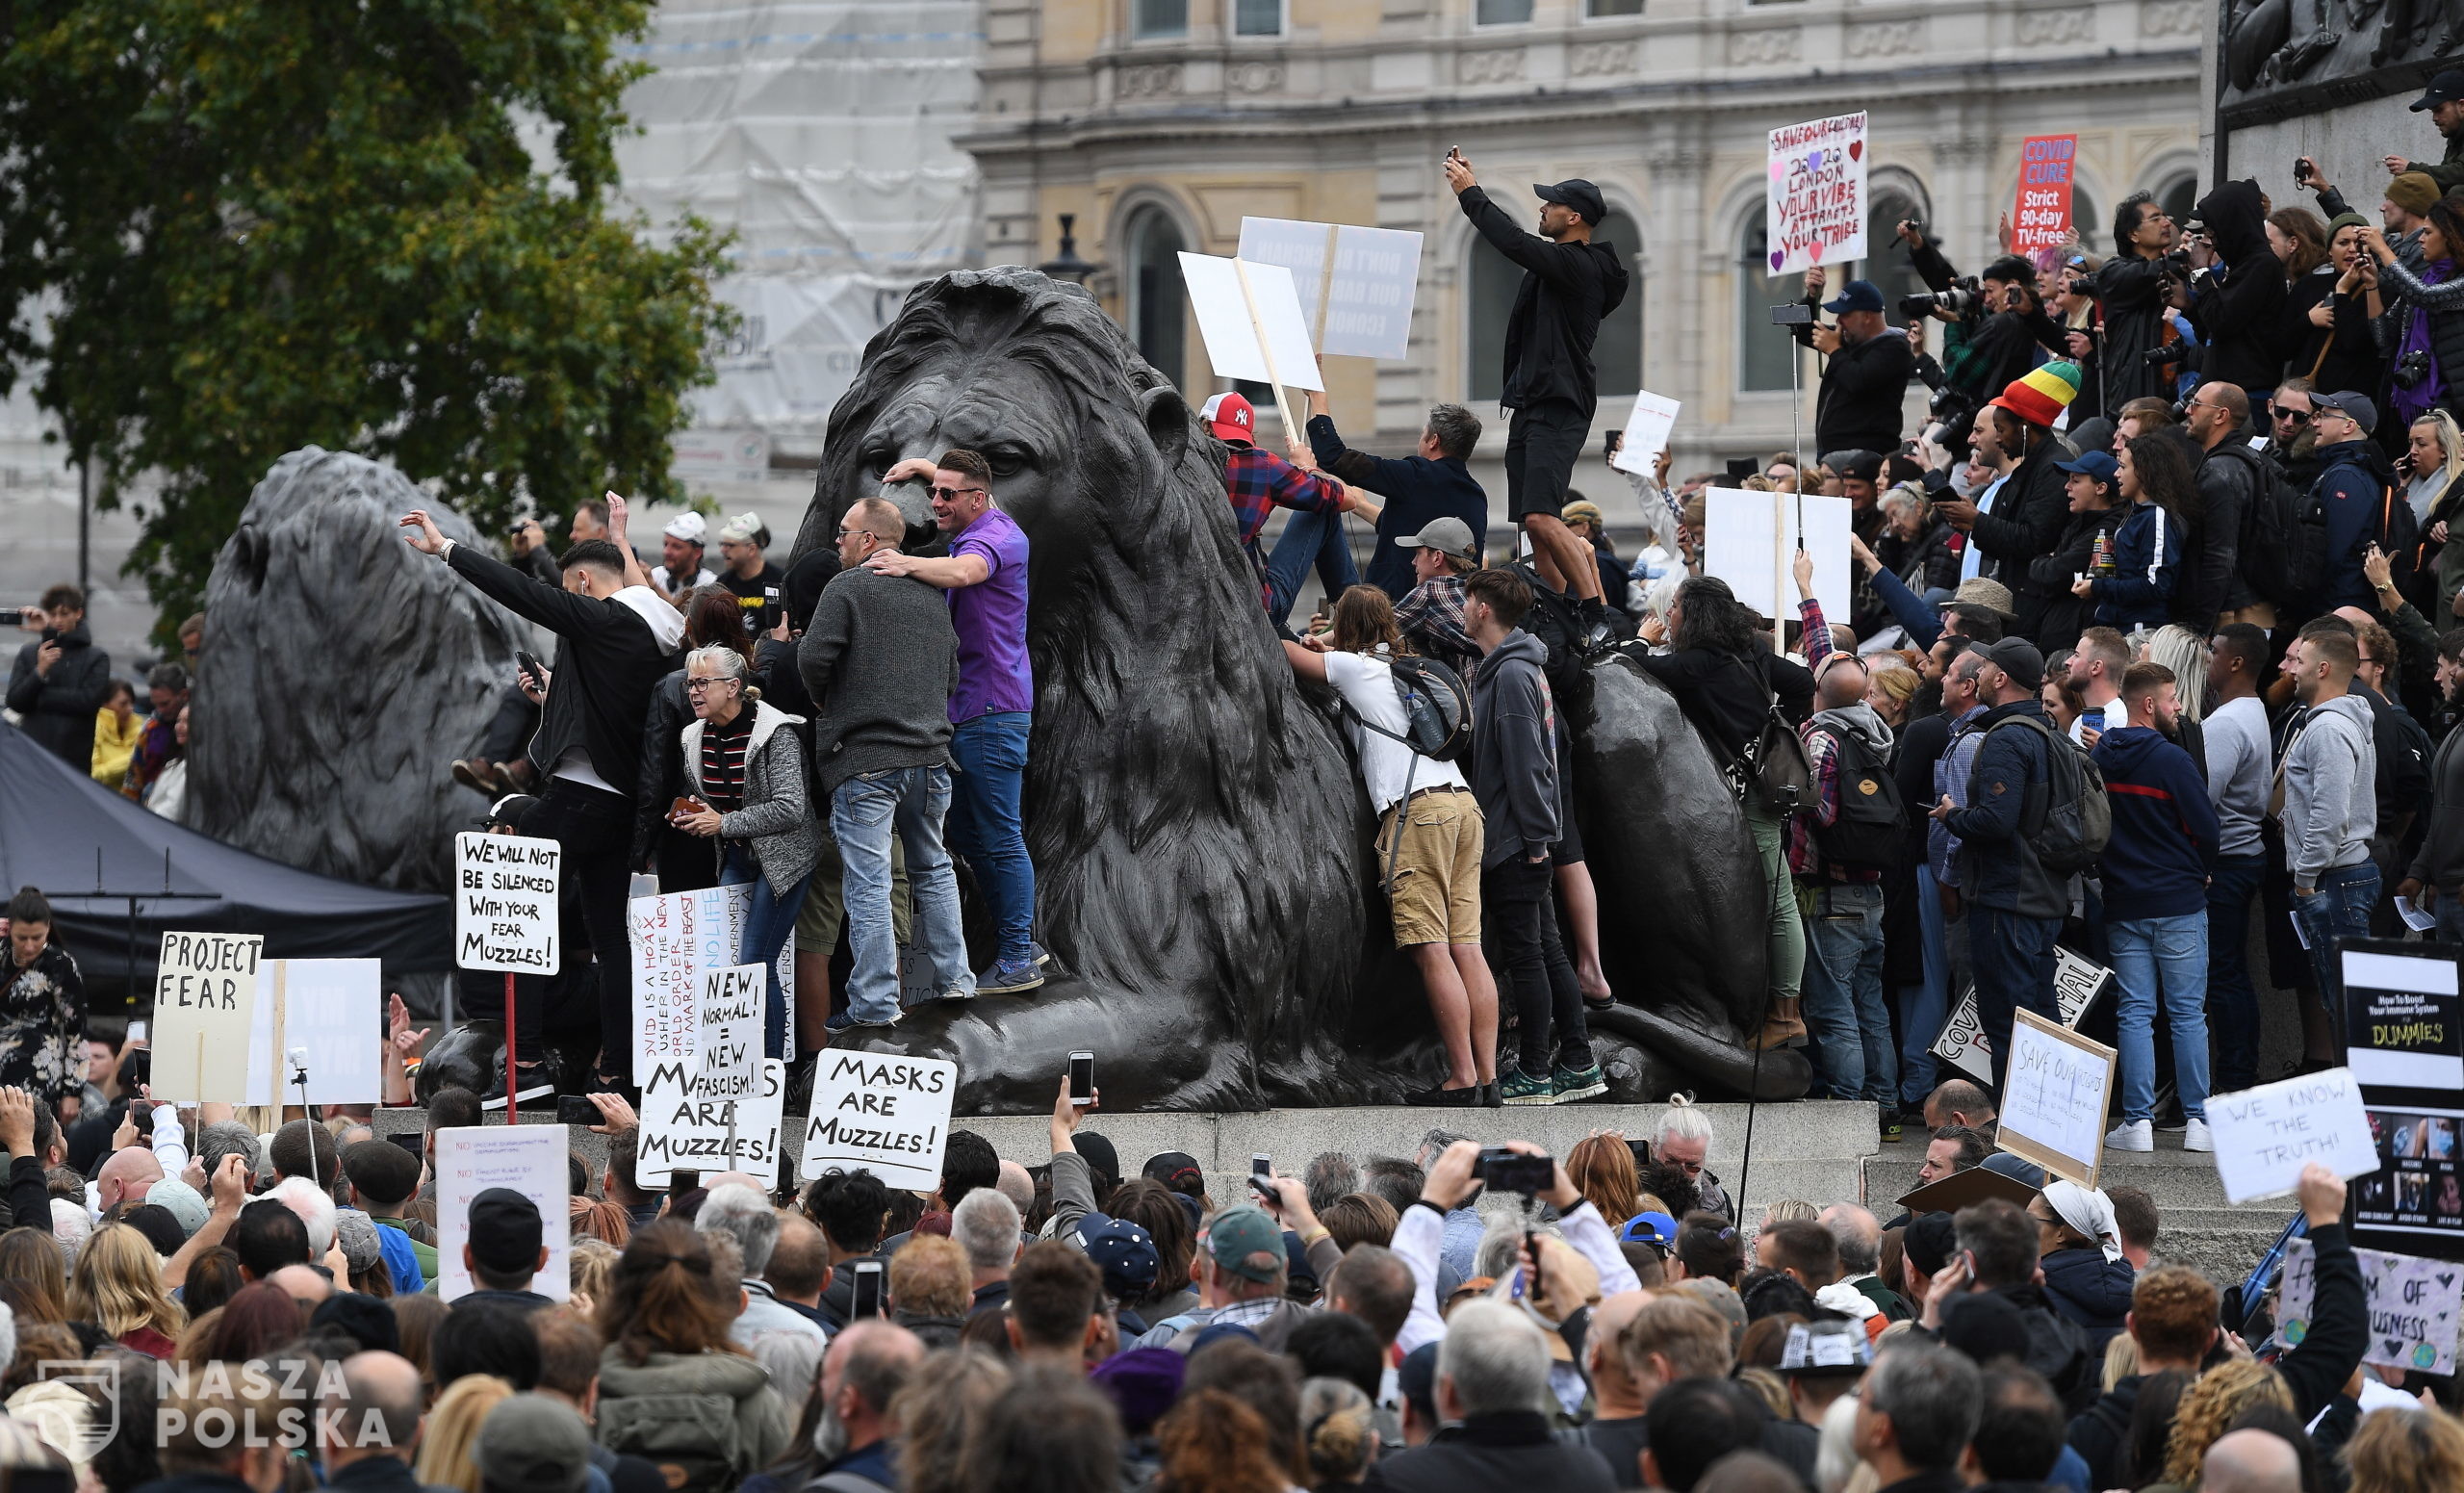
{"type": "Point", "coordinates": [952, 493]}
{"type": "Point", "coordinates": [845, 532]}
{"type": "Point", "coordinates": [694, 686]}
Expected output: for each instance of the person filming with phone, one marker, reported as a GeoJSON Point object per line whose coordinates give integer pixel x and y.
{"type": "Point", "coordinates": [61, 678]}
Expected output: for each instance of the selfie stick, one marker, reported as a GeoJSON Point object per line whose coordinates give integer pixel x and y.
{"type": "Point", "coordinates": [299, 1076]}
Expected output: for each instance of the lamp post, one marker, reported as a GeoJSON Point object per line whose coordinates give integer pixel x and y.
{"type": "Point", "coordinates": [1066, 264]}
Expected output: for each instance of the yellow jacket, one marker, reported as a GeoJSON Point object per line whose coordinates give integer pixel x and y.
{"type": "Point", "coordinates": [114, 744]}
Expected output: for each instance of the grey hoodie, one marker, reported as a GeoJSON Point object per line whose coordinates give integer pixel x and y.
{"type": "Point", "coordinates": [1514, 751]}
{"type": "Point", "coordinates": [2330, 801]}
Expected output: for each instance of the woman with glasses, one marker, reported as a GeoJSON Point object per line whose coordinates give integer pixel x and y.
{"type": "Point", "coordinates": [2339, 349]}
{"type": "Point", "coordinates": [746, 767]}
{"type": "Point", "coordinates": [713, 617]}
{"type": "Point", "coordinates": [2426, 365]}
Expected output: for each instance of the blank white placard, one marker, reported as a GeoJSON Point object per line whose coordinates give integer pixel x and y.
{"type": "Point", "coordinates": [1749, 541]}
{"type": "Point", "coordinates": [1225, 320]}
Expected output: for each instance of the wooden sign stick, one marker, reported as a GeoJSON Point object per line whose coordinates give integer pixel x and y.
{"type": "Point", "coordinates": [1274, 378]}
{"type": "Point", "coordinates": [1325, 288]}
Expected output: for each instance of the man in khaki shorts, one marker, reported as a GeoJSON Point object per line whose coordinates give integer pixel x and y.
{"type": "Point", "coordinates": [1435, 866]}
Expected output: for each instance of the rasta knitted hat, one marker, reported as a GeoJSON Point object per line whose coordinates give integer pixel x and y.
{"type": "Point", "coordinates": [2039, 396]}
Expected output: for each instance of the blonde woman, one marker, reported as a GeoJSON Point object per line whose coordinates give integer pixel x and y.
{"type": "Point", "coordinates": [2210, 1405]}
{"type": "Point", "coordinates": [453, 1428]}
{"type": "Point", "coordinates": [2435, 458]}
{"type": "Point", "coordinates": [2185, 653]}
{"type": "Point", "coordinates": [118, 1284]}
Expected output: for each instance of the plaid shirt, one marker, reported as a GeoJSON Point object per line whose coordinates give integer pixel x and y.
{"type": "Point", "coordinates": [1431, 619]}
{"type": "Point", "coordinates": [1261, 481]}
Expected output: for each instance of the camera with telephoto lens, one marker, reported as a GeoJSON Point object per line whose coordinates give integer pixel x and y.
{"type": "Point", "coordinates": [1502, 1170]}
{"type": "Point", "coordinates": [1964, 295]}
{"type": "Point", "coordinates": [2411, 368]}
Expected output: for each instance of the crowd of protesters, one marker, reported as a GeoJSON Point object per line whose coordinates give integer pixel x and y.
{"type": "Point", "coordinates": [63, 696]}
{"type": "Point", "coordinates": [187, 1307]}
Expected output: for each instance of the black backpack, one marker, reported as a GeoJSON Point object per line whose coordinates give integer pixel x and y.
{"type": "Point", "coordinates": [1870, 832]}
{"type": "Point", "coordinates": [2284, 534]}
{"type": "Point", "coordinates": [1437, 708]}
{"type": "Point", "coordinates": [2077, 820]}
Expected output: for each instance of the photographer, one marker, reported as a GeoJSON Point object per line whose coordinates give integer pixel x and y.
{"type": "Point", "coordinates": [1997, 321]}
{"type": "Point", "coordinates": [2133, 288]}
{"type": "Point", "coordinates": [2236, 312]}
{"type": "Point", "coordinates": [1866, 372]}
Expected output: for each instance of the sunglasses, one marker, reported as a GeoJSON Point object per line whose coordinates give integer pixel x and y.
{"type": "Point", "coordinates": [951, 494]}
{"type": "Point", "coordinates": [2293, 417]}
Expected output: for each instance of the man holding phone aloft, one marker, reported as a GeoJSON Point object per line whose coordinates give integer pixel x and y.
{"type": "Point", "coordinates": [1570, 282]}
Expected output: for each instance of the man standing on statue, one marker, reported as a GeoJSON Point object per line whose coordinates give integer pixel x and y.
{"type": "Point", "coordinates": [1569, 282]}
{"type": "Point", "coordinates": [985, 574]}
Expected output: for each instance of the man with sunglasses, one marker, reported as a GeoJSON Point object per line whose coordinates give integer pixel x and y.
{"type": "Point", "coordinates": [985, 574]}
{"type": "Point", "coordinates": [2293, 432]}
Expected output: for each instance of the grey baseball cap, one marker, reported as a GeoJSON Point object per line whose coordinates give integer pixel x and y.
{"type": "Point", "coordinates": [1447, 536]}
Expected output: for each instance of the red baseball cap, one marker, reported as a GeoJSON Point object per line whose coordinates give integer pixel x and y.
{"type": "Point", "coordinates": [1230, 415]}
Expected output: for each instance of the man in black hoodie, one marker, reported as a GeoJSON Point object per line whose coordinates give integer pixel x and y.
{"type": "Point", "coordinates": [2235, 311]}
{"type": "Point", "coordinates": [616, 642]}
{"type": "Point", "coordinates": [1514, 779]}
{"type": "Point", "coordinates": [61, 679]}
{"type": "Point", "coordinates": [1569, 282]}
{"type": "Point", "coordinates": [1864, 375]}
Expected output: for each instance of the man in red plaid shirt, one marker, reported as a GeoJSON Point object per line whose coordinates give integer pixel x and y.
{"type": "Point", "coordinates": [1261, 481]}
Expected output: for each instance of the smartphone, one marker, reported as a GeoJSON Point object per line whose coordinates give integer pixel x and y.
{"type": "Point", "coordinates": [1261, 1164]}
{"type": "Point", "coordinates": [1794, 314]}
{"type": "Point", "coordinates": [573, 1109]}
{"type": "Point", "coordinates": [1266, 1192]}
{"type": "Point", "coordinates": [412, 1140]}
{"type": "Point", "coordinates": [135, 1032]}
{"type": "Point", "coordinates": [868, 1295]}
{"type": "Point", "coordinates": [530, 668]}
{"type": "Point", "coordinates": [1082, 1078]}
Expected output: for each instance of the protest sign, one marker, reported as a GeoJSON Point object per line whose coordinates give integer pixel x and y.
{"type": "Point", "coordinates": [1816, 205]}
{"type": "Point", "coordinates": [1364, 309]}
{"type": "Point", "coordinates": [2055, 1090]}
{"type": "Point", "coordinates": [2077, 982]}
{"type": "Point", "coordinates": [673, 940]}
{"type": "Point", "coordinates": [528, 1159]}
{"type": "Point", "coordinates": [1251, 318]}
{"type": "Point", "coordinates": [2414, 1304]}
{"type": "Point", "coordinates": [1749, 541]}
{"type": "Point", "coordinates": [2040, 216]}
{"type": "Point", "coordinates": [335, 1008]}
{"type": "Point", "coordinates": [2404, 1045]}
{"type": "Point", "coordinates": [877, 1113]}
{"type": "Point", "coordinates": [730, 1032]}
{"type": "Point", "coordinates": [2264, 1136]}
{"type": "Point", "coordinates": [205, 1000]}
{"type": "Point", "coordinates": [686, 1127]}
{"type": "Point", "coordinates": [504, 903]}
{"type": "Point", "coordinates": [1647, 431]}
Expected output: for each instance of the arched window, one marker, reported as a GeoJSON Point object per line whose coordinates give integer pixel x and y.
{"type": "Point", "coordinates": [2090, 222]}
{"type": "Point", "coordinates": [1886, 263]}
{"type": "Point", "coordinates": [1764, 352]}
{"type": "Point", "coordinates": [2180, 199]}
{"type": "Point", "coordinates": [1156, 312]}
{"type": "Point", "coordinates": [1618, 351]}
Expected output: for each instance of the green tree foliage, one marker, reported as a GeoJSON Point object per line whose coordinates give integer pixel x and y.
{"type": "Point", "coordinates": [261, 224]}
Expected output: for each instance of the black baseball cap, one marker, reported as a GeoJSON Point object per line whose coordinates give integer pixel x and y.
{"type": "Point", "coordinates": [2018, 657]}
{"type": "Point", "coordinates": [2444, 88]}
{"type": "Point", "coordinates": [1178, 1171]}
{"type": "Point", "coordinates": [504, 1232]}
{"type": "Point", "coordinates": [1577, 194]}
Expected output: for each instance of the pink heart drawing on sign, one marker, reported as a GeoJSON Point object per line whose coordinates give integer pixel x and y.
{"type": "Point", "coordinates": [1777, 258]}
{"type": "Point", "coordinates": [1856, 150]}
{"type": "Point", "coordinates": [1813, 253]}
{"type": "Point", "coordinates": [1779, 168]}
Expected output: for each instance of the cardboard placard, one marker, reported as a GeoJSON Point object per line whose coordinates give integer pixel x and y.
{"type": "Point", "coordinates": [2055, 1091]}
{"type": "Point", "coordinates": [2077, 982]}
{"type": "Point", "coordinates": [1749, 541]}
{"type": "Point", "coordinates": [2414, 1304]}
{"type": "Point", "coordinates": [504, 903]}
{"type": "Point", "coordinates": [1647, 432]}
{"type": "Point", "coordinates": [2041, 214]}
{"type": "Point", "coordinates": [686, 1125]}
{"type": "Point", "coordinates": [1250, 318]}
{"type": "Point", "coordinates": [674, 941]}
{"type": "Point", "coordinates": [1363, 310]}
{"type": "Point", "coordinates": [1815, 210]}
{"type": "Point", "coordinates": [205, 1000]}
{"type": "Point", "coordinates": [879, 1113]}
{"type": "Point", "coordinates": [730, 1042]}
{"type": "Point", "coordinates": [335, 1008]}
{"type": "Point", "coordinates": [530, 1160]}
{"type": "Point", "coordinates": [2405, 1044]}
{"type": "Point", "coordinates": [2264, 1136]}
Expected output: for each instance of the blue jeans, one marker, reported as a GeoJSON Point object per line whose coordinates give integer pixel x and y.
{"type": "Point", "coordinates": [2340, 908]}
{"type": "Point", "coordinates": [862, 814]}
{"type": "Point", "coordinates": [2014, 961]}
{"type": "Point", "coordinates": [988, 827]}
{"type": "Point", "coordinates": [1924, 1005]}
{"type": "Point", "coordinates": [2232, 881]}
{"type": "Point", "coordinates": [2166, 954]}
{"type": "Point", "coordinates": [1308, 539]}
{"type": "Point", "coordinates": [768, 923]}
{"type": "Point", "coordinates": [1843, 992]}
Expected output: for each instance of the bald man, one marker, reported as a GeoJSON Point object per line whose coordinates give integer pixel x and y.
{"type": "Point", "coordinates": [2217, 421]}
{"type": "Point", "coordinates": [862, 1369]}
{"type": "Point", "coordinates": [1616, 1430]}
{"type": "Point", "coordinates": [1956, 1101]}
{"type": "Point", "coordinates": [2252, 1461]}
{"type": "Point", "coordinates": [303, 1285]}
{"type": "Point", "coordinates": [377, 1414]}
{"type": "Point", "coordinates": [1859, 1235]}
{"type": "Point", "coordinates": [126, 1177]}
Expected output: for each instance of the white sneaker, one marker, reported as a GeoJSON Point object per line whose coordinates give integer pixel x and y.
{"type": "Point", "coordinates": [2196, 1137]}
{"type": "Point", "coordinates": [2132, 1134]}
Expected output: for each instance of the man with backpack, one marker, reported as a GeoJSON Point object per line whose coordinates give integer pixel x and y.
{"type": "Point", "coordinates": [1413, 720]}
{"type": "Point", "coordinates": [1839, 848]}
{"type": "Point", "coordinates": [2359, 497]}
{"type": "Point", "coordinates": [2014, 900]}
{"type": "Point", "coordinates": [2155, 871]}
{"type": "Point", "coordinates": [1514, 776]}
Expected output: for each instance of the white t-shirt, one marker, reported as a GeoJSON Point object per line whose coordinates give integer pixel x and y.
{"type": "Point", "coordinates": [2112, 715]}
{"type": "Point", "coordinates": [1367, 685]}
{"type": "Point", "coordinates": [668, 586]}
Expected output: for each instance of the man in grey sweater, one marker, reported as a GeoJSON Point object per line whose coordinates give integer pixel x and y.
{"type": "Point", "coordinates": [2325, 799]}
{"type": "Point", "coordinates": [880, 658]}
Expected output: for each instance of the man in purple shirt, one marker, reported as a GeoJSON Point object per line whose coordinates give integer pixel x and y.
{"type": "Point", "coordinates": [985, 574]}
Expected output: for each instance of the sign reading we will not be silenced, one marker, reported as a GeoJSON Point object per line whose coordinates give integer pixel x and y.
{"type": "Point", "coordinates": [879, 1113]}
{"type": "Point", "coordinates": [504, 903]}
{"type": "Point", "coordinates": [205, 993]}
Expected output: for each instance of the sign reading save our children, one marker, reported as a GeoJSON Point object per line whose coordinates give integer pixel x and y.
{"type": "Point", "coordinates": [1816, 200]}
{"type": "Point", "coordinates": [879, 1113]}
